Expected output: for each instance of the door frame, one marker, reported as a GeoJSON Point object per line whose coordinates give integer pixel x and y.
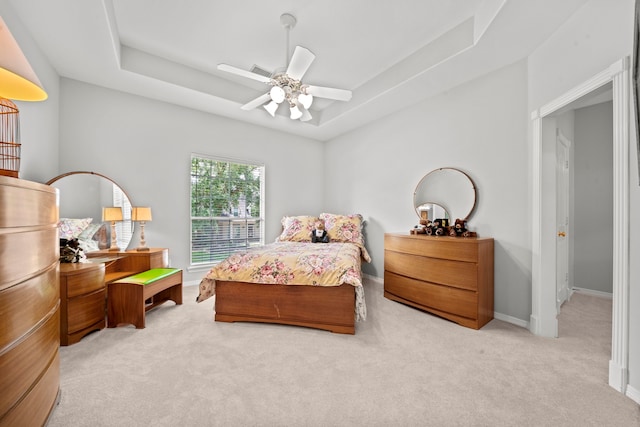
{"type": "Point", "coordinates": [562, 142]}
{"type": "Point", "coordinates": [543, 319]}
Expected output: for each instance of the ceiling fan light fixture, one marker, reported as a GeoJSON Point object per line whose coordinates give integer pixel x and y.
{"type": "Point", "coordinates": [271, 108]}
{"type": "Point", "coordinates": [286, 83]}
{"type": "Point", "coordinates": [295, 112]}
{"type": "Point", "coordinates": [306, 115]}
{"type": "Point", "coordinates": [277, 94]}
{"type": "Point", "coordinates": [306, 100]}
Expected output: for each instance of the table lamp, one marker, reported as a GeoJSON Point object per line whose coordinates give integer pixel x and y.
{"type": "Point", "coordinates": [19, 82]}
{"type": "Point", "coordinates": [141, 215]}
{"type": "Point", "coordinates": [112, 214]}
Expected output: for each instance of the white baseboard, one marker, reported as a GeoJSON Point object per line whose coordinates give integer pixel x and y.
{"type": "Point", "coordinates": [633, 394]}
{"type": "Point", "coordinates": [607, 295]}
{"type": "Point", "coordinates": [511, 319]}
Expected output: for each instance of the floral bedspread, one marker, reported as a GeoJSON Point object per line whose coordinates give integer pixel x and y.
{"type": "Point", "coordinates": [292, 263]}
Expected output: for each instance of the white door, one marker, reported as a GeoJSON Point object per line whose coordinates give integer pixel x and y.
{"type": "Point", "coordinates": [562, 218]}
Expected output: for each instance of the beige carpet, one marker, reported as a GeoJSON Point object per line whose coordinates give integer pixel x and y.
{"type": "Point", "coordinates": [402, 368]}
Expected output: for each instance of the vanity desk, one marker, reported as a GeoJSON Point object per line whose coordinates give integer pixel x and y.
{"type": "Point", "coordinates": [82, 195]}
{"type": "Point", "coordinates": [120, 264]}
{"type": "Point", "coordinates": [83, 287]}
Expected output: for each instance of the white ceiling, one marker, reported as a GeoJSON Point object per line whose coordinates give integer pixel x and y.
{"type": "Point", "coordinates": [391, 54]}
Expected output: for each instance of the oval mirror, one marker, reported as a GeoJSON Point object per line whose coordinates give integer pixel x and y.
{"type": "Point", "coordinates": [84, 194]}
{"type": "Point", "coordinates": [445, 191]}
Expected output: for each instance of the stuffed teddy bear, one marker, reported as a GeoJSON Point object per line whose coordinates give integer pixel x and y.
{"type": "Point", "coordinates": [438, 228]}
{"type": "Point", "coordinates": [422, 227]}
{"type": "Point", "coordinates": [459, 227]}
{"type": "Point", "coordinates": [319, 234]}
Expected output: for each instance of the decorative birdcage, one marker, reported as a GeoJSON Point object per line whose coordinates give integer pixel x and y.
{"type": "Point", "coordinates": [9, 138]}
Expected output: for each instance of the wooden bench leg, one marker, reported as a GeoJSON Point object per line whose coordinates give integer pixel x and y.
{"type": "Point", "coordinates": [125, 305]}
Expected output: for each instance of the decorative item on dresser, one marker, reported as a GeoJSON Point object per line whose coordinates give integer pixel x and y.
{"type": "Point", "coordinates": [29, 302]}
{"type": "Point", "coordinates": [447, 276]}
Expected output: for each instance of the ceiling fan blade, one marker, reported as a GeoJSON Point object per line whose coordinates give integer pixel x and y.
{"type": "Point", "coordinates": [243, 73]}
{"type": "Point", "coordinates": [300, 62]}
{"type": "Point", "coordinates": [256, 102]}
{"type": "Point", "coordinates": [330, 93]}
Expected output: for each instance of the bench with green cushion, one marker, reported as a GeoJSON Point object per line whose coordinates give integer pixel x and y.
{"type": "Point", "coordinates": [129, 298]}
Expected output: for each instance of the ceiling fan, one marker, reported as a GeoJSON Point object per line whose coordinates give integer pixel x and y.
{"type": "Point", "coordinates": [287, 86]}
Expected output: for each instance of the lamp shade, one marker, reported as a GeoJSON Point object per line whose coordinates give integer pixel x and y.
{"type": "Point", "coordinates": [18, 81]}
{"type": "Point", "coordinates": [271, 108]}
{"type": "Point", "coordinates": [295, 112]}
{"type": "Point", "coordinates": [277, 94]}
{"type": "Point", "coordinates": [305, 100]}
{"type": "Point", "coordinates": [141, 214]}
{"type": "Point", "coordinates": [112, 214]}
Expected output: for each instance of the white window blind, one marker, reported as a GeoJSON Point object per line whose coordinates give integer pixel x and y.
{"type": "Point", "coordinates": [227, 208]}
{"type": "Point", "coordinates": [124, 228]}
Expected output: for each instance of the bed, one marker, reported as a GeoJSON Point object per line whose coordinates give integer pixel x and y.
{"type": "Point", "coordinates": [293, 281]}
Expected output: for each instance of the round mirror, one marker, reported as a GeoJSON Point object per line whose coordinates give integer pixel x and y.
{"type": "Point", "coordinates": [82, 195]}
{"type": "Point", "coordinates": [445, 193]}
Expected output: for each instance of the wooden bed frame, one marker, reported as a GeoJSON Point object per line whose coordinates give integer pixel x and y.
{"type": "Point", "coordinates": [329, 308]}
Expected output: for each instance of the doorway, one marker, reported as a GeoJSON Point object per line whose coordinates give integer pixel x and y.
{"type": "Point", "coordinates": [544, 310]}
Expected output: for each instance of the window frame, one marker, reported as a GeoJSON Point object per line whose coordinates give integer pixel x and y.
{"type": "Point", "coordinates": [233, 221]}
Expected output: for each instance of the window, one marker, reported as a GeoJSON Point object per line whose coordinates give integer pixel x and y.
{"type": "Point", "coordinates": [124, 228]}
{"type": "Point", "coordinates": [227, 208]}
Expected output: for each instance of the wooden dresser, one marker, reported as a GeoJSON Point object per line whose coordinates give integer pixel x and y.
{"type": "Point", "coordinates": [451, 277]}
{"type": "Point", "coordinates": [29, 302]}
{"type": "Point", "coordinates": [82, 300]}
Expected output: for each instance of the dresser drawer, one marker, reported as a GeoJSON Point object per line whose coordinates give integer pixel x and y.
{"type": "Point", "coordinates": [85, 311]}
{"type": "Point", "coordinates": [442, 298]}
{"type": "Point", "coordinates": [85, 281]}
{"type": "Point", "coordinates": [444, 247]}
{"type": "Point", "coordinates": [457, 274]}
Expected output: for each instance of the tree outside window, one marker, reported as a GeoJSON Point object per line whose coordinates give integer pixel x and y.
{"type": "Point", "coordinates": [227, 209]}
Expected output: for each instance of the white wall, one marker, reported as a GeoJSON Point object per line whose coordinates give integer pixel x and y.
{"type": "Point", "coordinates": [479, 127]}
{"type": "Point", "coordinates": [593, 169]}
{"type": "Point", "coordinates": [599, 34]}
{"type": "Point", "coordinates": [145, 146]}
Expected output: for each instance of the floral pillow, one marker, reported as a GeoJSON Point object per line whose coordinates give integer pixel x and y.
{"type": "Point", "coordinates": [346, 229]}
{"type": "Point", "coordinates": [343, 228]}
{"type": "Point", "coordinates": [297, 228]}
{"type": "Point", "coordinates": [70, 228]}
